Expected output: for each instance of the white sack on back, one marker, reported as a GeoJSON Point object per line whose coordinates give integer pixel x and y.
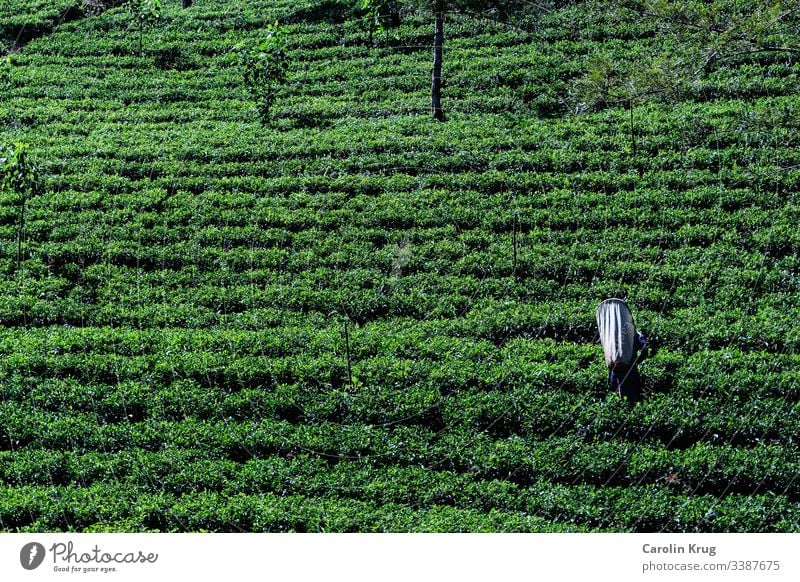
{"type": "Point", "coordinates": [617, 331]}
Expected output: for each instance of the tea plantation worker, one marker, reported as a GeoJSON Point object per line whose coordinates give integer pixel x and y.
{"type": "Point", "coordinates": [624, 348]}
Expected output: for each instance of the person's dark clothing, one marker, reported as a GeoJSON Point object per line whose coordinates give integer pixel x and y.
{"type": "Point", "coordinates": [625, 380]}
{"type": "Point", "coordinates": [627, 383]}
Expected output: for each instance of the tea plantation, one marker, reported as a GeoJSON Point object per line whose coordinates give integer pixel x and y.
{"type": "Point", "coordinates": [357, 318]}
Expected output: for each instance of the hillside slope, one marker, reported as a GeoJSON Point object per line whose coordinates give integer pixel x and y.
{"type": "Point", "coordinates": [174, 354]}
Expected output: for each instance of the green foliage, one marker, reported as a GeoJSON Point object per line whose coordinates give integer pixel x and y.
{"type": "Point", "coordinates": [6, 72]}
{"type": "Point", "coordinates": [265, 69]}
{"type": "Point", "coordinates": [728, 27]}
{"type": "Point", "coordinates": [144, 14]}
{"type": "Point", "coordinates": [378, 16]}
{"type": "Point", "coordinates": [18, 174]}
{"type": "Point", "coordinates": [607, 82]}
{"type": "Point", "coordinates": [695, 38]}
{"type": "Point", "coordinates": [19, 178]}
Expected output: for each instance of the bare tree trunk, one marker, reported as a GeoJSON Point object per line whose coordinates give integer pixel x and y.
{"type": "Point", "coordinates": [436, 81]}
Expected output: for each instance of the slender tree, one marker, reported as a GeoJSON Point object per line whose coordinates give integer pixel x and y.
{"type": "Point", "coordinates": [500, 9]}
{"type": "Point", "coordinates": [19, 178]}
{"type": "Point", "coordinates": [699, 35]}
{"type": "Point", "coordinates": [144, 13]}
{"type": "Point", "coordinates": [265, 69]}
{"type": "Point", "coordinates": [720, 30]}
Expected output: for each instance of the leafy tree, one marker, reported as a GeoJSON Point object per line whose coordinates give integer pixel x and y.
{"type": "Point", "coordinates": [19, 178]}
{"type": "Point", "coordinates": [265, 69]}
{"type": "Point", "coordinates": [378, 15]}
{"type": "Point", "coordinates": [724, 29]}
{"type": "Point", "coordinates": [144, 13]}
{"type": "Point", "coordinates": [699, 36]}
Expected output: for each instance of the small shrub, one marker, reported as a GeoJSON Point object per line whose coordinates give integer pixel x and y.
{"type": "Point", "coordinates": [265, 69]}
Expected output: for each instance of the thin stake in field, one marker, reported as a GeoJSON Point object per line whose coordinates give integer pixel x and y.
{"type": "Point", "coordinates": [20, 230]}
{"type": "Point", "coordinates": [347, 352]}
{"type": "Point", "coordinates": [514, 243]}
{"type": "Point", "coordinates": [20, 271]}
{"type": "Point", "coordinates": [633, 130]}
